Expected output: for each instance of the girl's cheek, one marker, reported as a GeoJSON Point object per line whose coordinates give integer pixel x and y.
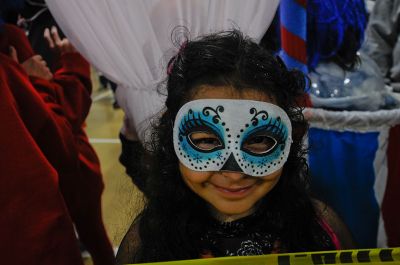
{"type": "Point", "coordinates": [194, 176]}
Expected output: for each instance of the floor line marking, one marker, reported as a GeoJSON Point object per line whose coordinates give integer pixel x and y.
{"type": "Point", "coordinates": [102, 95]}
{"type": "Point", "coordinates": [104, 140]}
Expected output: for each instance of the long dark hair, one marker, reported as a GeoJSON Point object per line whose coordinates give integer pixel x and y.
{"type": "Point", "coordinates": [174, 218]}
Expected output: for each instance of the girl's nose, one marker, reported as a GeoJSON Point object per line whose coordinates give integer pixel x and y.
{"type": "Point", "coordinates": [234, 176]}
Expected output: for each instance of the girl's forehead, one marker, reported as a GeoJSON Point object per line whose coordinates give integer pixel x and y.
{"type": "Point", "coordinates": [229, 92]}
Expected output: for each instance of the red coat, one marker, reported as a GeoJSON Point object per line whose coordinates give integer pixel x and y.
{"type": "Point", "coordinates": [61, 106]}
{"type": "Point", "coordinates": [71, 89]}
{"type": "Point", "coordinates": [35, 226]}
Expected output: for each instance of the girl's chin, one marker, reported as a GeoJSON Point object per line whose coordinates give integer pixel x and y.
{"type": "Point", "coordinates": [229, 214]}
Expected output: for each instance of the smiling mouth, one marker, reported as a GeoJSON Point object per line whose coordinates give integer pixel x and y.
{"type": "Point", "coordinates": [234, 192]}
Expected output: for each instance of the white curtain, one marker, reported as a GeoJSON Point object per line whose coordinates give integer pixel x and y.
{"type": "Point", "coordinates": [130, 40]}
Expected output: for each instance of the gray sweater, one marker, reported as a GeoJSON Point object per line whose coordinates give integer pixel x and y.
{"type": "Point", "coordinates": [383, 38]}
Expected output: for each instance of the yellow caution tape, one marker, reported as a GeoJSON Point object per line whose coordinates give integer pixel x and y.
{"type": "Point", "coordinates": [386, 256]}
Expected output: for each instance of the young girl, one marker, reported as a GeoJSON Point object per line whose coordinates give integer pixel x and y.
{"type": "Point", "coordinates": [227, 174]}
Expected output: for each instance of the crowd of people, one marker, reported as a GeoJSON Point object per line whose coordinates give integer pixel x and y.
{"type": "Point", "coordinates": [224, 172]}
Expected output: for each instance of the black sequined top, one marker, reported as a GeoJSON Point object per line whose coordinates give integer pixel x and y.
{"type": "Point", "coordinates": [244, 237]}
{"type": "Point", "coordinates": [237, 238]}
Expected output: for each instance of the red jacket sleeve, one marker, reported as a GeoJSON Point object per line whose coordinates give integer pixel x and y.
{"type": "Point", "coordinates": [45, 121]}
{"type": "Point", "coordinates": [73, 78]}
{"type": "Point", "coordinates": [71, 87]}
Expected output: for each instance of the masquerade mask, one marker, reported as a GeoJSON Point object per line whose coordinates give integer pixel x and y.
{"type": "Point", "coordinates": [246, 136]}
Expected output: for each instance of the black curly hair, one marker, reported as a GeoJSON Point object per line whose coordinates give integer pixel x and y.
{"type": "Point", "coordinates": [174, 218]}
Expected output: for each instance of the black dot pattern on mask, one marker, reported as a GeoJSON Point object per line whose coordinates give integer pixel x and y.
{"type": "Point", "coordinates": [223, 124]}
{"type": "Point", "coordinates": [227, 129]}
{"type": "Point", "coordinates": [246, 125]}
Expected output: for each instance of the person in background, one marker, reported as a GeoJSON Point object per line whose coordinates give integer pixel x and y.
{"type": "Point", "coordinates": [64, 101]}
{"type": "Point", "coordinates": [343, 77]}
{"type": "Point", "coordinates": [35, 224]}
{"type": "Point", "coordinates": [383, 39]}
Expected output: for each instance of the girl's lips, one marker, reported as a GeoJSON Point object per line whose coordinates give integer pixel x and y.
{"type": "Point", "coordinates": [234, 192]}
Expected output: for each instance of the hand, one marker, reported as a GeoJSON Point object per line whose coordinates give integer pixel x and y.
{"type": "Point", "coordinates": [57, 44]}
{"type": "Point", "coordinates": [34, 66]}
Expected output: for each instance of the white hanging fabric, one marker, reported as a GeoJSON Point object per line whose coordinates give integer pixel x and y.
{"type": "Point", "coordinates": [130, 40]}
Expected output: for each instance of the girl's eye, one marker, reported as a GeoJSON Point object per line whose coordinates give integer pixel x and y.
{"type": "Point", "coordinates": [205, 141]}
{"type": "Point", "coordinates": [259, 144]}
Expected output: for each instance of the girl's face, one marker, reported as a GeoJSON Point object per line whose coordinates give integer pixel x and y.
{"type": "Point", "coordinates": [231, 194]}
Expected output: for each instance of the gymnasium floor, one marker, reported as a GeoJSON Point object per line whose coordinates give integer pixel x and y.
{"type": "Point", "coordinates": [121, 199]}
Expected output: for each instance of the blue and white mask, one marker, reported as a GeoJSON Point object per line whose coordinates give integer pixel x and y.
{"type": "Point", "coordinates": [246, 136]}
